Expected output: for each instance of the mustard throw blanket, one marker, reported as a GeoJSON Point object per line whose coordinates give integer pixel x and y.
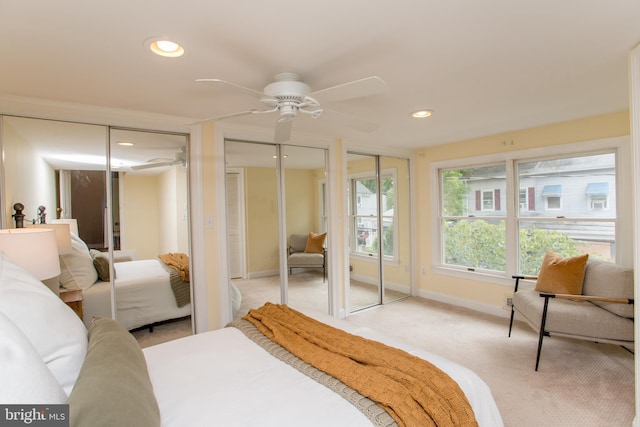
{"type": "Point", "coordinates": [413, 391]}
{"type": "Point", "coordinates": [179, 262]}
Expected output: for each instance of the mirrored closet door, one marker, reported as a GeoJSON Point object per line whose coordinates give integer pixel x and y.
{"type": "Point", "coordinates": [124, 209]}
{"type": "Point", "coordinates": [275, 200]}
{"type": "Point", "coordinates": [379, 225]}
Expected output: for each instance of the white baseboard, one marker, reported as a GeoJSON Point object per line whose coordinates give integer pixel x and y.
{"type": "Point", "coordinates": [264, 273]}
{"type": "Point", "coordinates": [463, 302]}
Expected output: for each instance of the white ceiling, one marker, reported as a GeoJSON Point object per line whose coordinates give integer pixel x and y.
{"type": "Point", "coordinates": [484, 67]}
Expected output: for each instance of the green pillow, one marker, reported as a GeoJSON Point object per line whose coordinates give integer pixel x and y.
{"type": "Point", "coordinates": [101, 264]}
{"type": "Point", "coordinates": [113, 388]}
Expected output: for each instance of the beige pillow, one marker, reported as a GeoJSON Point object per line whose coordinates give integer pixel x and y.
{"type": "Point", "coordinates": [76, 268]}
{"type": "Point", "coordinates": [315, 243]}
{"type": "Point", "coordinates": [562, 275]}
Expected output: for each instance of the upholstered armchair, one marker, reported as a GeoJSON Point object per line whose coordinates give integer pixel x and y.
{"type": "Point", "coordinates": [307, 251]}
{"type": "Point", "coordinates": [575, 298]}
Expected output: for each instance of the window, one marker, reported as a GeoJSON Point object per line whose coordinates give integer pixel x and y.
{"type": "Point", "coordinates": [557, 204]}
{"type": "Point", "coordinates": [472, 223]}
{"type": "Point", "coordinates": [598, 196]}
{"type": "Point", "coordinates": [365, 214]}
{"type": "Point", "coordinates": [487, 201]}
{"type": "Point", "coordinates": [527, 199]}
{"type": "Point", "coordinates": [552, 197]}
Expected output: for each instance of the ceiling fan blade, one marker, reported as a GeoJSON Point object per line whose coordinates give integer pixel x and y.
{"type": "Point", "coordinates": [350, 121]}
{"type": "Point", "coordinates": [224, 116]}
{"type": "Point", "coordinates": [356, 89]}
{"type": "Point", "coordinates": [244, 89]}
{"type": "Point", "coordinates": [151, 165]}
{"type": "Point", "coordinates": [283, 131]}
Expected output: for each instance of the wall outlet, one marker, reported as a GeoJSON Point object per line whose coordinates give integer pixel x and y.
{"type": "Point", "coordinates": [507, 303]}
{"type": "Point", "coordinates": [351, 268]}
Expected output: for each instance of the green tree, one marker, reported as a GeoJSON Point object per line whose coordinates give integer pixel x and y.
{"type": "Point", "coordinates": [534, 242]}
{"type": "Point", "coordinates": [481, 244]}
{"type": "Point", "coordinates": [455, 190]}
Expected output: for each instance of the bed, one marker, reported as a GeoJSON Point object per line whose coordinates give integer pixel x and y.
{"type": "Point", "coordinates": [147, 291]}
{"type": "Point", "coordinates": [222, 377]}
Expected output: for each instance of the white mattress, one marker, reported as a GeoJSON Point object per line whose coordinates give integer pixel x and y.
{"type": "Point", "coordinates": [223, 378]}
{"type": "Point", "coordinates": [143, 295]}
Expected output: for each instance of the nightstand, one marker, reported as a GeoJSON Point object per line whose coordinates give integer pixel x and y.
{"type": "Point", "coordinates": [74, 300]}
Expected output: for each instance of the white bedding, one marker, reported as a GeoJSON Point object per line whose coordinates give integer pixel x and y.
{"type": "Point", "coordinates": [143, 295]}
{"type": "Point", "coordinates": [223, 378]}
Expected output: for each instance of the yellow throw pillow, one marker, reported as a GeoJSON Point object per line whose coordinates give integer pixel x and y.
{"type": "Point", "coordinates": [315, 243]}
{"type": "Point", "coordinates": [562, 275]}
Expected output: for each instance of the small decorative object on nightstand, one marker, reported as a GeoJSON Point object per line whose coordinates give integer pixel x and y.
{"type": "Point", "coordinates": [74, 300]}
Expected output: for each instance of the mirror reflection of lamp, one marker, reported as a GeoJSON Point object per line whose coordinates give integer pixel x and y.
{"type": "Point", "coordinates": [36, 251]}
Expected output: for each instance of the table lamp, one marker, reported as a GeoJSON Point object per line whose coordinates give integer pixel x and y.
{"type": "Point", "coordinates": [63, 235]}
{"type": "Point", "coordinates": [36, 251]}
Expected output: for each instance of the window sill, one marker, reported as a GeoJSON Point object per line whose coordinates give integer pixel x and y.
{"type": "Point", "coordinates": [480, 276]}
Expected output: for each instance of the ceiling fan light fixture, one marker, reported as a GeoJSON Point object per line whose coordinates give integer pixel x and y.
{"type": "Point", "coordinates": [421, 114]}
{"type": "Point", "coordinates": [164, 47]}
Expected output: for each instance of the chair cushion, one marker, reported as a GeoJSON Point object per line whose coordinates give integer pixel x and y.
{"type": "Point", "coordinates": [605, 279]}
{"type": "Point", "coordinates": [578, 319]}
{"type": "Point", "coordinates": [315, 243]}
{"type": "Point", "coordinates": [561, 275]}
{"type": "Point", "coordinates": [298, 242]}
{"type": "Point", "coordinates": [301, 259]}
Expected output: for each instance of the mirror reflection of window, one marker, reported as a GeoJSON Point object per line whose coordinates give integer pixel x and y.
{"type": "Point", "coordinates": [379, 206]}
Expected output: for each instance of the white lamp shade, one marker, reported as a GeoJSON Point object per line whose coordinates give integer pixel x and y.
{"type": "Point", "coordinates": [33, 249]}
{"type": "Point", "coordinates": [63, 235]}
{"type": "Point", "coordinates": [73, 224]}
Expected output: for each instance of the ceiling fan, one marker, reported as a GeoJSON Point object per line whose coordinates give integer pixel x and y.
{"type": "Point", "coordinates": [180, 158]}
{"type": "Point", "coordinates": [288, 95]}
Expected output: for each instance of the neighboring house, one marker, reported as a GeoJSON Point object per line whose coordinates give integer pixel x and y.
{"type": "Point", "coordinates": [564, 188]}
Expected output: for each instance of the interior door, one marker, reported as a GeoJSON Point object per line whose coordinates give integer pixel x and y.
{"type": "Point", "coordinates": [235, 220]}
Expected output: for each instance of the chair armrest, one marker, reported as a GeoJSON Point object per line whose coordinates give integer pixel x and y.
{"type": "Point", "coordinates": [519, 277]}
{"type": "Point", "coordinates": [523, 277]}
{"type": "Point", "coordinates": [587, 298]}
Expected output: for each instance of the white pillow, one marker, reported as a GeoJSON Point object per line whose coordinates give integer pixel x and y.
{"type": "Point", "coordinates": [25, 377]}
{"type": "Point", "coordinates": [54, 330]}
{"type": "Point", "coordinates": [76, 268]}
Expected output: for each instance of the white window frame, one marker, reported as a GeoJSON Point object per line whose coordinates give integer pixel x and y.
{"type": "Point", "coordinates": [624, 209]}
{"type": "Point", "coordinates": [390, 172]}
{"type": "Point", "coordinates": [592, 200]}
{"type": "Point", "coordinates": [550, 208]}
{"type": "Point", "coordinates": [483, 200]}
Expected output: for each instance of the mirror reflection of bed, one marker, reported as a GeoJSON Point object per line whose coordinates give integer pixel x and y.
{"type": "Point", "coordinates": [63, 166]}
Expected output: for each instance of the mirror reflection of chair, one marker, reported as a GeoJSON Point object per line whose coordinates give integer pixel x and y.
{"type": "Point", "coordinates": [307, 251]}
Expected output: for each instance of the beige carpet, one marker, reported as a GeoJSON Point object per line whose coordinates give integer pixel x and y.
{"type": "Point", "coordinates": [578, 383]}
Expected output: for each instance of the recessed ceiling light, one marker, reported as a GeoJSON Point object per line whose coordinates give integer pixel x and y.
{"type": "Point", "coordinates": [421, 114]}
{"type": "Point", "coordinates": [164, 47]}
{"type": "Point", "coordinates": [126, 143]}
